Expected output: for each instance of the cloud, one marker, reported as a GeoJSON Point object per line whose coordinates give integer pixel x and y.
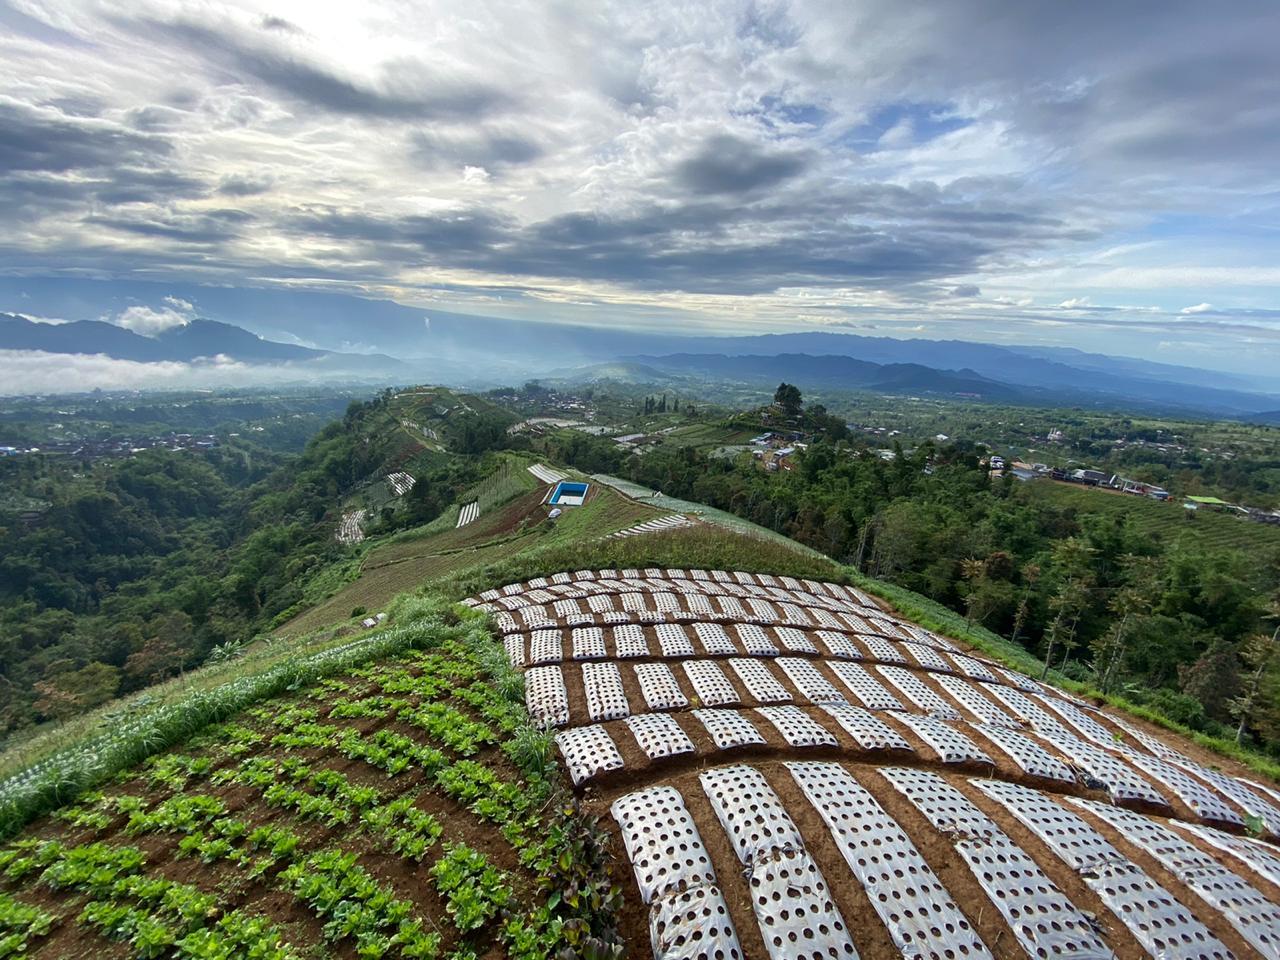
{"type": "Point", "coordinates": [49, 140]}
{"type": "Point", "coordinates": [148, 321]}
{"type": "Point", "coordinates": [270, 22]}
{"type": "Point", "coordinates": [409, 90]}
{"type": "Point", "coordinates": [34, 371]}
{"type": "Point", "coordinates": [728, 164]}
{"type": "Point", "coordinates": [244, 185]}
{"type": "Point", "coordinates": [883, 236]}
{"type": "Point", "coordinates": [1198, 308]}
{"type": "Point", "coordinates": [731, 164]}
{"type": "Point", "coordinates": [203, 227]}
{"type": "Point", "coordinates": [492, 146]}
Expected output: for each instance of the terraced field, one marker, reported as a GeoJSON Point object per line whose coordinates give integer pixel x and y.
{"type": "Point", "coordinates": [707, 436]}
{"type": "Point", "coordinates": [1168, 521]}
{"type": "Point", "coordinates": [498, 532]}
{"type": "Point", "coordinates": [683, 764]}
{"type": "Point", "coordinates": [405, 809]}
{"type": "Point", "coordinates": [792, 771]}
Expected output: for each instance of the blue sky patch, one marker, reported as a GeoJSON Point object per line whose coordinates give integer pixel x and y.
{"type": "Point", "coordinates": [928, 121]}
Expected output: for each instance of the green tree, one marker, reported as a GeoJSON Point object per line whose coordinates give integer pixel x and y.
{"type": "Point", "coordinates": [1129, 605]}
{"type": "Point", "coordinates": [1030, 577]}
{"type": "Point", "coordinates": [1213, 679]}
{"type": "Point", "coordinates": [788, 397]}
{"type": "Point", "coordinates": [1260, 654]}
{"type": "Point", "coordinates": [1070, 563]}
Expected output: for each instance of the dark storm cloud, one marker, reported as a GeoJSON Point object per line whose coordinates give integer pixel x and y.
{"type": "Point", "coordinates": [882, 237]}
{"type": "Point", "coordinates": [729, 164]}
{"type": "Point", "coordinates": [127, 185]}
{"type": "Point", "coordinates": [156, 117]}
{"type": "Point", "coordinates": [29, 196]}
{"type": "Point", "coordinates": [57, 164]}
{"type": "Point", "coordinates": [32, 139]}
{"type": "Point", "coordinates": [414, 92]}
{"type": "Point", "coordinates": [456, 237]}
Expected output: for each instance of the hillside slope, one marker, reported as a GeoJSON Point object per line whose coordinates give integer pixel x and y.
{"type": "Point", "coordinates": [641, 725]}
{"type": "Point", "coordinates": [456, 784]}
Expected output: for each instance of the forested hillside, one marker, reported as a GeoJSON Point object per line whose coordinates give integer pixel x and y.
{"type": "Point", "coordinates": [147, 566]}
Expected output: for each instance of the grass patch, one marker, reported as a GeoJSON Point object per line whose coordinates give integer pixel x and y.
{"type": "Point", "coordinates": [406, 565]}
{"type": "Point", "coordinates": [710, 514]}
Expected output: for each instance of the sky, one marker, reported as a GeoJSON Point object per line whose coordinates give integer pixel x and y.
{"type": "Point", "coordinates": [1101, 176]}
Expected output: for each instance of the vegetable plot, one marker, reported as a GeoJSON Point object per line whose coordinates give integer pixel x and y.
{"type": "Point", "coordinates": [404, 809]}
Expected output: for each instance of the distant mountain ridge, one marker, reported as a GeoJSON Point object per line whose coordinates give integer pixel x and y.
{"type": "Point", "coordinates": [199, 339]}
{"type": "Point", "coordinates": [478, 351]}
{"type": "Point", "coordinates": [1097, 379]}
{"type": "Point", "coordinates": [834, 371]}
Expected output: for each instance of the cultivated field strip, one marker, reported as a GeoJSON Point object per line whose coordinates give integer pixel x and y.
{"type": "Point", "coordinates": [398, 808]}
{"type": "Point", "coordinates": [546, 474]}
{"type": "Point", "coordinates": [468, 513]}
{"type": "Point", "coordinates": [350, 527]}
{"type": "Point", "coordinates": [400, 483]}
{"type": "Point", "coordinates": [829, 859]}
{"type": "Point", "coordinates": [672, 521]}
{"type": "Point", "coordinates": [794, 771]}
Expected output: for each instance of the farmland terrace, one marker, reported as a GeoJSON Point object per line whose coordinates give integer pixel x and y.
{"type": "Point", "coordinates": [680, 763]}
{"type": "Point", "coordinates": [791, 770]}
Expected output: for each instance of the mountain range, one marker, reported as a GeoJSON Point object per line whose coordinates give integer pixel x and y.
{"type": "Point", "coordinates": [1040, 374]}
{"type": "Point", "coordinates": [197, 340]}
{"type": "Point", "coordinates": [832, 372]}
{"type": "Point", "coordinates": [471, 350]}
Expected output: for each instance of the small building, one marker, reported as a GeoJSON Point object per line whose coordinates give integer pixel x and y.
{"type": "Point", "coordinates": [1092, 478]}
{"type": "Point", "coordinates": [1140, 489]}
